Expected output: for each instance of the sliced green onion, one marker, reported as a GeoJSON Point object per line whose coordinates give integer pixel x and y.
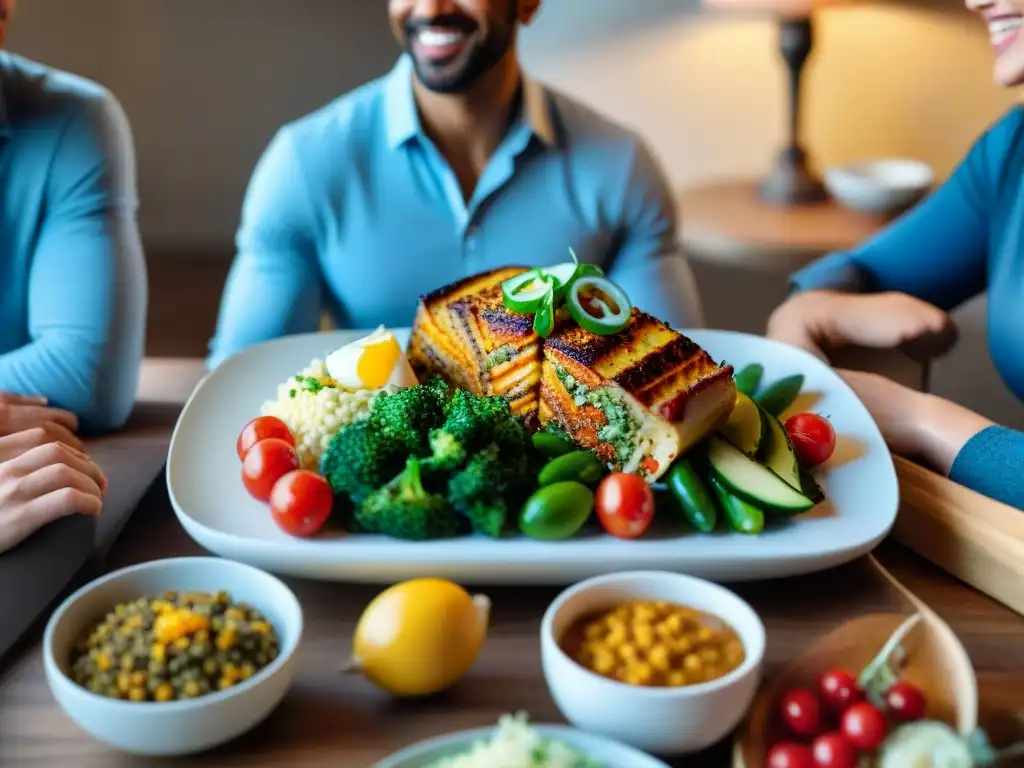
{"type": "Point", "coordinates": [598, 305]}
{"type": "Point", "coordinates": [524, 293]}
{"type": "Point", "coordinates": [544, 320]}
{"type": "Point", "coordinates": [588, 270]}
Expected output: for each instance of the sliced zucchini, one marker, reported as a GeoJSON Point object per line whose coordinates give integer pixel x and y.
{"type": "Point", "coordinates": [751, 481]}
{"type": "Point", "coordinates": [776, 451]}
{"type": "Point", "coordinates": [745, 426]}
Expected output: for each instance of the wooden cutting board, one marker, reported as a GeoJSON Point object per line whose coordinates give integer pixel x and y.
{"type": "Point", "coordinates": [976, 539]}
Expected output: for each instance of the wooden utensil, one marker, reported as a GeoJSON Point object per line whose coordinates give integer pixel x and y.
{"type": "Point", "coordinates": [976, 539]}
{"type": "Point", "coordinates": [934, 660]}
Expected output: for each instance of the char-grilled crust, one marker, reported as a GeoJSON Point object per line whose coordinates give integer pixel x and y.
{"type": "Point", "coordinates": [465, 333]}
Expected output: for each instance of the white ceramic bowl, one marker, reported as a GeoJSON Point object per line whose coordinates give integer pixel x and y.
{"type": "Point", "coordinates": [880, 186]}
{"type": "Point", "coordinates": [664, 721]}
{"type": "Point", "coordinates": [174, 727]}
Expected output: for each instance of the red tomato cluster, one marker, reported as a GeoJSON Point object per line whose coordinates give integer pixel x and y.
{"type": "Point", "coordinates": [813, 438]}
{"type": "Point", "coordinates": [300, 500]}
{"type": "Point", "coordinates": [834, 725]}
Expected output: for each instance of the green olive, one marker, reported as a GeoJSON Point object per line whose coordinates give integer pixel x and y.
{"type": "Point", "coordinates": [557, 511]}
{"type": "Point", "coordinates": [551, 446]}
{"type": "Point", "coordinates": [580, 466]}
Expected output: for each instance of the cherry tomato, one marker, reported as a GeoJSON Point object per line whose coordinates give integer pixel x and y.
{"type": "Point", "coordinates": [261, 428]}
{"type": "Point", "coordinates": [813, 438]}
{"type": "Point", "coordinates": [625, 505]}
{"type": "Point", "coordinates": [300, 502]}
{"type": "Point", "coordinates": [839, 689]}
{"type": "Point", "coordinates": [801, 712]}
{"type": "Point", "coordinates": [788, 754]}
{"type": "Point", "coordinates": [831, 750]}
{"type": "Point", "coordinates": [905, 701]}
{"type": "Point", "coordinates": [863, 726]}
{"type": "Point", "coordinates": [267, 462]}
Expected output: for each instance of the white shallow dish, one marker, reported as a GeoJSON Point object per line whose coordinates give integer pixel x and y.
{"type": "Point", "coordinates": [204, 482]}
{"type": "Point", "coordinates": [665, 721]}
{"type": "Point", "coordinates": [880, 186]}
{"type": "Point", "coordinates": [612, 754]}
{"type": "Point", "coordinates": [163, 729]}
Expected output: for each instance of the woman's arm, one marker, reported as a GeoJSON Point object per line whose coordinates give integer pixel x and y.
{"type": "Point", "coordinates": [937, 251]}
{"type": "Point", "coordinates": [953, 440]}
{"type": "Point", "coordinates": [87, 283]}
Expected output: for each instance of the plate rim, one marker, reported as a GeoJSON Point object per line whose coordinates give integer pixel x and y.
{"type": "Point", "coordinates": [556, 731]}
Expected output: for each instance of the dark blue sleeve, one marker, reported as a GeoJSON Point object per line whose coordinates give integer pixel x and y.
{"type": "Point", "coordinates": [992, 463]}
{"type": "Point", "coordinates": [938, 251]}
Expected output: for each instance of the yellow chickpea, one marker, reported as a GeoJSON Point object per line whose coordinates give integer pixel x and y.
{"type": "Point", "coordinates": [644, 613]}
{"type": "Point", "coordinates": [594, 631]}
{"type": "Point", "coordinates": [616, 637]}
{"type": "Point", "coordinates": [643, 634]}
{"type": "Point", "coordinates": [614, 622]}
{"type": "Point", "coordinates": [676, 679]}
{"type": "Point", "coordinates": [705, 635]}
{"type": "Point", "coordinates": [627, 652]}
{"type": "Point", "coordinates": [604, 661]}
{"type": "Point", "coordinates": [692, 664]}
{"type": "Point", "coordinates": [709, 655]}
{"type": "Point", "coordinates": [674, 622]}
{"type": "Point", "coordinates": [659, 658]}
{"type": "Point", "coordinates": [641, 673]}
{"type": "Point", "coordinates": [734, 653]}
{"type": "Point", "coordinates": [682, 646]}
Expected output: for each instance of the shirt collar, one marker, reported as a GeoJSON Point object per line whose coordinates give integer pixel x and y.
{"type": "Point", "coordinates": [402, 120]}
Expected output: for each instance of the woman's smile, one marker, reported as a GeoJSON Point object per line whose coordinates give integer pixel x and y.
{"type": "Point", "coordinates": [1004, 29]}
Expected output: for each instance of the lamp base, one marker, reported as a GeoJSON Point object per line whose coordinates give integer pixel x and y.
{"type": "Point", "coordinates": [791, 181]}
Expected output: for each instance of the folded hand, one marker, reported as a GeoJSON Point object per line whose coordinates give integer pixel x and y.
{"type": "Point", "coordinates": [822, 320]}
{"type": "Point", "coordinates": [46, 482]}
{"type": "Point", "coordinates": [19, 413]}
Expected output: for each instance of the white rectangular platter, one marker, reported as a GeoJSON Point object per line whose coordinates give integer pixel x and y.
{"type": "Point", "coordinates": [204, 481]}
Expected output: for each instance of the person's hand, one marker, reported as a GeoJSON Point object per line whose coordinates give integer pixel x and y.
{"type": "Point", "coordinates": [896, 409]}
{"type": "Point", "coordinates": [818, 321]}
{"type": "Point", "coordinates": [19, 413]}
{"type": "Point", "coordinates": [45, 483]}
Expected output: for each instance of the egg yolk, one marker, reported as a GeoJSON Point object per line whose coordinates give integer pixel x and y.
{"type": "Point", "coordinates": [377, 361]}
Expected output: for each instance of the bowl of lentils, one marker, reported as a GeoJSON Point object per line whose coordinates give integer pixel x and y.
{"type": "Point", "coordinates": [173, 657]}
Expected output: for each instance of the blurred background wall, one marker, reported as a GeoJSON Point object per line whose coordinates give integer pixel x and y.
{"type": "Point", "coordinates": [207, 82]}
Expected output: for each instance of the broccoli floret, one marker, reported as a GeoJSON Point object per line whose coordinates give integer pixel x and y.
{"type": "Point", "coordinates": [491, 483]}
{"type": "Point", "coordinates": [479, 421]}
{"type": "Point", "coordinates": [446, 452]}
{"type": "Point", "coordinates": [407, 416]}
{"type": "Point", "coordinates": [360, 459]}
{"type": "Point", "coordinates": [405, 510]}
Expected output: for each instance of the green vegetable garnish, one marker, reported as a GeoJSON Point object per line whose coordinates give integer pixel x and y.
{"type": "Point", "coordinates": [779, 395]}
{"type": "Point", "coordinates": [544, 320]}
{"type": "Point", "coordinates": [598, 305]}
{"type": "Point", "coordinates": [749, 379]}
{"type": "Point", "coordinates": [526, 292]}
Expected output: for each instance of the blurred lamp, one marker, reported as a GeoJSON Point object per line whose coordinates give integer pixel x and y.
{"type": "Point", "coordinates": [790, 180]}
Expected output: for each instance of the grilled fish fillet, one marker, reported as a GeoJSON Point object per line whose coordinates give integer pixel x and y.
{"type": "Point", "coordinates": [639, 398]}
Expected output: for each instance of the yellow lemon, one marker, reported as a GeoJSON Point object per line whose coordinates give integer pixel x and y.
{"type": "Point", "coordinates": [420, 636]}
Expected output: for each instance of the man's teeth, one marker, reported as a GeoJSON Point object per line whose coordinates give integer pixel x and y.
{"type": "Point", "coordinates": [439, 37]}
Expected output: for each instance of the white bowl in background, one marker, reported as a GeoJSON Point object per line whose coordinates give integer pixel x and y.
{"type": "Point", "coordinates": [880, 186]}
{"type": "Point", "coordinates": [174, 727]}
{"type": "Point", "coordinates": [665, 721]}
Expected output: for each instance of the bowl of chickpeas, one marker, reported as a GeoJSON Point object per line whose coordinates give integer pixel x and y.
{"type": "Point", "coordinates": [665, 662]}
{"type": "Point", "coordinates": [173, 657]}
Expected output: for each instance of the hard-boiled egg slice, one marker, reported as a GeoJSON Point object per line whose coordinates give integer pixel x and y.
{"type": "Point", "coordinates": [370, 363]}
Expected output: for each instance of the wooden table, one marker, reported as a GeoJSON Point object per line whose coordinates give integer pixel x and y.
{"type": "Point", "coordinates": [330, 720]}
{"type": "Point", "coordinates": [725, 223]}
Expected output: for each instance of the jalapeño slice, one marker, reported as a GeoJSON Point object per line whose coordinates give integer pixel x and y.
{"type": "Point", "coordinates": [598, 305]}
{"type": "Point", "coordinates": [524, 293]}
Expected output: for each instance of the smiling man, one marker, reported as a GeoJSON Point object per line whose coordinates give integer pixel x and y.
{"type": "Point", "coordinates": [453, 163]}
{"type": "Point", "coordinates": [72, 276]}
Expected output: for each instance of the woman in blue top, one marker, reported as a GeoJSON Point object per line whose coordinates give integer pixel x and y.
{"type": "Point", "coordinates": [72, 276]}
{"type": "Point", "coordinates": [967, 238]}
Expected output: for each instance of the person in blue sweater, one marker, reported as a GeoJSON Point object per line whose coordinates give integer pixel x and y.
{"type": "Point", "coordinates": [455, 162]}
{"type": "Point", "coordinates": [72, 275]}
{"type": "Point", "coordinates": [72, 288]}
{"type": "Point", "coordinates": [965, 239]}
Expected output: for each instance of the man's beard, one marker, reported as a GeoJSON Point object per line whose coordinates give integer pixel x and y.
{"type": "Point", "coordinates": [459, 74]}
